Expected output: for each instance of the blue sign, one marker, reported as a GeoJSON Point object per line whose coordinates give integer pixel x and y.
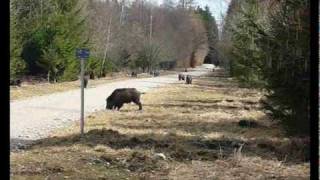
{"type": "Point", "coordinates": [82, 53]}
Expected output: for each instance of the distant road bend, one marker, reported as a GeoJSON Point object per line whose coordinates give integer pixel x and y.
{"type": "Point", "coordinates": [35, 118]}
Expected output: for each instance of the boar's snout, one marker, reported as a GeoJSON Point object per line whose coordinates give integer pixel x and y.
{"type": "Point", "coordinates": [108, 105]}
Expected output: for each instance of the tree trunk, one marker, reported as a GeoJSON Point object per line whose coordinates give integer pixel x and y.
{"type": "Point", "coordinates": [193, 60]}
{"type": "Point", "coordinates": [150, 30]}
{"type": "Point", "coordinates": [107, 45]}
{"type": "Point", "coordinates": [55, 78]}
{"type": "Point", "coordinates": [48, 76]}
{"type": "Point", "coordinates": [121, 13]}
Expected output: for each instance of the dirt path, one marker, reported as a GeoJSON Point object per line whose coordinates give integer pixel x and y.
{"type": "Point", "coordinates": [36, 117]}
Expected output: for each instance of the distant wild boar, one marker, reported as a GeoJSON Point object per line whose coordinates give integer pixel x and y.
{"type": "Point", "coordinates": [91, 75]}
{"type": "Point", "coordinates": [189, 79]}
{"type": "Point", "coordinates": [85, 81]}
{"type": "Point", "coordinates": [156, 73]}
{"type": "Point", "coordinates": [122, 96]}
{"type": "Point", "coordinates": [181, 77]}
{"type": "Point", "coordinates": [134, 74]}
{"type": "Point", "coordinates": [16, 82]}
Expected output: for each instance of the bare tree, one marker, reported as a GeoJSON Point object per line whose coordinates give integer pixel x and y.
{"type": "Point", "coordinates": [174, 31]}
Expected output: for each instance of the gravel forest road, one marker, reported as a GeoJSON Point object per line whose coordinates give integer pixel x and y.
{"type": "Point", "coordinates": [35, 118]}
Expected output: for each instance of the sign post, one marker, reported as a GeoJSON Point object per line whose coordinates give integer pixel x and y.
{"type": "Point", "coordinates": [82, 54]}
{"type": "Point", "coordinates": [82, 97]}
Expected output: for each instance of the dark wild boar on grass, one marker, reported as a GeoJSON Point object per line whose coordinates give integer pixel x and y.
{"type": "Point", "coordinates": [122, 96]}
{"type": "Point", "coordinates": [189, 79]}
{"type": "Point", "coordinates": [181, 77]}
{"type": "Point", "coordinates": [15, 82]}
{"type": "Point", "coordinates": [134, 74]}
{"type": "Point", "coordinates": [156, 73]}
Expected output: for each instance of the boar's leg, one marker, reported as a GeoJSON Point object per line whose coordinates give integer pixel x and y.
{"type": "Point", "coordinates": [137, 102]}
{"type": "Point", "coordinates": [140, 106]}
{"type": "Point", "coordinates": [119, 106]}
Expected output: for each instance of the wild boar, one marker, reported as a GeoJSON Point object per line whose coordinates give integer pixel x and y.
{"type": "Point", "coordinates": [85, 81]}
{"type": "Point", "coordinates": [181, 77]}
{"type": "Point", "coordinates": [189, 79]}
{"type": "Point", "coordinates": [91, 75]}
{"type": "Point", "coordinates": [134, 74]}
{"type": "Point", "coordinates": [122, 96]}
{"type": "Point", "coordinates": [15, 82]}
{"type": "Point", "coordinates": [156, 73]}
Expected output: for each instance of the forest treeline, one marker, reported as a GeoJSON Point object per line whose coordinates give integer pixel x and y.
{"type": "Point", "coordinates": [265, 44]}
{"type": "Point", "coordinates": [121, 35]}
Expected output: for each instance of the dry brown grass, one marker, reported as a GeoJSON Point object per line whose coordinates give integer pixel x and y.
{"type": "Point", "coordinates": [194, 126]}
{"type": "Point", "coordinates": [31, 90]}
